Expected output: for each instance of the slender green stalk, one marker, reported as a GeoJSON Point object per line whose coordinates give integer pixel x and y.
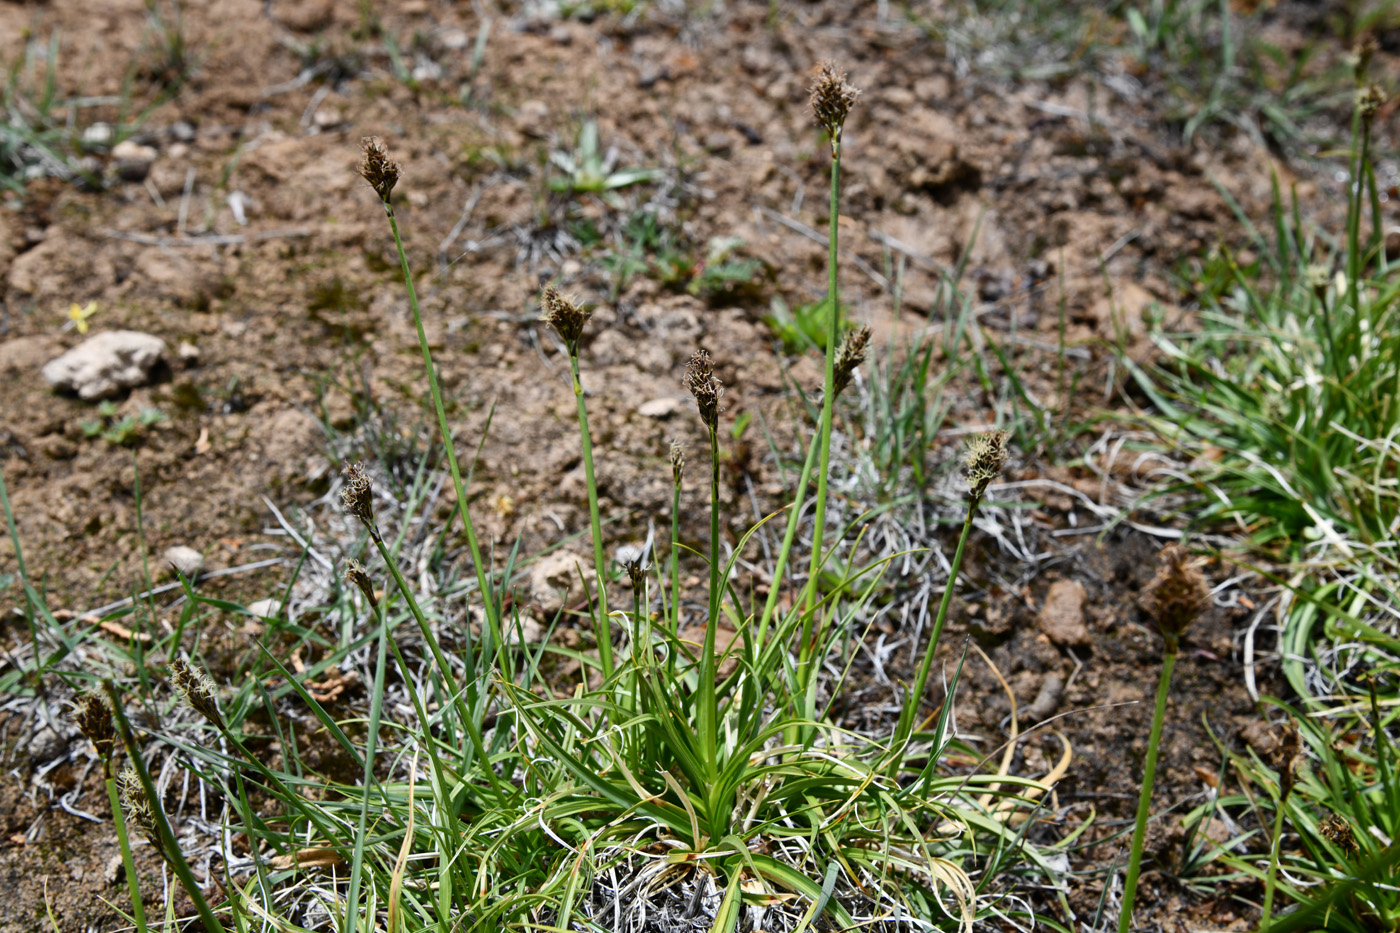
{"type": "Point", "coordinates": [604, 625]}
{"type": "Point", "coordinates": [909, 714]}
{"type": "Point", "coordinates": [789, 535]}
{"type": "Point", "coordinates": [1149, 774]}
{"type": "Point", "coordinates": [376, 706]}
{"type": "Point", "coordinates": [675, 563]}
{"type": "Point", "coordinates": [449, 681]}
{"type": "Point", "coordinates": [707, 718]}
{"type": "Point", "coordinates": [133, 882]}
{"type": "Point", "coordinates": [174, 856]}
{"type": "Point", "coordinates": [493, 621]}
{"type": "Point", "coordinates": [1271, 880]}
{"type": "Point", "coordinates": [828, 400]}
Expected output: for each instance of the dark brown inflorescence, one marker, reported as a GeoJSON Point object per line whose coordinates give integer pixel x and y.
{"type": "Point", "coordinates": [635, 572]}
{"type": "Point", "coordinates": [832, 100]}
{"type": "Point", "coordinates": [358, 494]}
{"type": "Point", "coordinates": [700, 379]}
{"type": "Point", "coordinates": [94, 720]}
{"type": "Point", "coordinates": [355, 574]}
{"type": "Point", "coordinates": [1175, 597]}
{"type": "Point", "coordinates": [677, 461]}
{"type": "Point", "coordinates": [850, 355]}
{"type": "Point", "coordinates": [137, 808]}
{"type": "Point", "coordinates": [983, 462]}
{"type": "Point", "coordinates": [378, 169]}
{"type": "Point", "coordinates": [565, 316]}
{"type": "Point", "coordinates": [196, 689]}
{"type": "Point", "coordinates": [1339, 831]}
{"type": "Point", "coordinates": [1286, 756]}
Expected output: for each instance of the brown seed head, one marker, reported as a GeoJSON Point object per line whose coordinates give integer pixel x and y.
{"type": "Point", "coordinates": [196, 689]}
{"type": "Point", "coordinates": [983, 462]}
{"type": "Point", "coordinates": [677, 461]}
{"type": "Point", "coordinates": [1286, 754]}
{"type": "Point", "coordinates": [1318, 278]}
{"type": "Point", "coordinates": [832, 100]}
{"type": "Point", "coordinates": [378, 169]}
{"type": "Point", "coordinates": [137, 808]}
{"type": "Point", "coordinates": [355, 574]}
{"type": "Point", "coordinates": [358, 494]}
{"type": "Point", "coordinates": [1368, 101]}
{"type": "Point", "coordinates": [850, 355]}
{"type": "Point", "coordinates": [1339, 831]}
{"type": "Point", "coordinates": [635, 572]}
{"type": "Point", "coordinates": [565, 316]}
{"type": "Point", "coordinates": [94, 718]}
{"type": "Point", "coordinates": [1175, 597]}
{"type": "Point", "coordinates": [701, 381]}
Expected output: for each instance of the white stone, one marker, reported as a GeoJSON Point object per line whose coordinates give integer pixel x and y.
{"type": "Point", "coordinates": [185, 559]}
{"type": "Point", "coordinates": [265, 608]}
{"type": "Point", "coordinates": [556, 580]}
{"type": "Point", "coordinates": [659, 408]}
{"type": "Point", "coordinates": [106, 364]}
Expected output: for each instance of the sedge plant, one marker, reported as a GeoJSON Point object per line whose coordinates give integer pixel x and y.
{"type": "Point", "coordinates": [1174, 599]}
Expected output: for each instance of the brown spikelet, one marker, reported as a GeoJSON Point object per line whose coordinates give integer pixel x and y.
{"type": "Point", "coordinates": [565, 316]}
{"type": "Point", "coordinates": [358, 494]}
{"type": "Point", "coordinates": [94, 718]}
{"type": "Point", "coordinates": [1339, 831]}
{"type": "Point", "coordinates": [1176, 596]}
{"type": "Point", "coordinates": [355, 574]}
{"type": "Point", "coordinates": [196, 689]}
{"type": "Point", "coordinates": [850, 355]}
{"type": "Point", "coordinates": [1285, 757]}
{"type": "Point", "coordinates": [378, 169]}
{"type": "Point", "coordinates": [677, 461]}
{"type": "Point", "coordinates": [1361, 54]}
{"type": "Point", "coordinates": [1368, 102]}
{"type": "Point", "coordinates": [700, 379]}
{"type": "Point", "coordinates": [832, 100]}
{"type": "Point", "coordinates": [983, 462]}
{"type": "Point", "coordinates": [635, 572]}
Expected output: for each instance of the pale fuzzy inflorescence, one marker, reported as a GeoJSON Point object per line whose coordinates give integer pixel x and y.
{"type": "Point", "coordinates": [358, 494]}
{"type": "Point", "coordinates": [850, 355]}
{"type": "Point", "coordinates": [1369, 100]}
{"type": "Point", "coordinates": [380, 171]}
{"type": "Point", "coordinates": [983, 462]}
{"type": "Point", "coordinates": [197, 689]}
{"type": "Point", "coordinates": [94, 718]}
{"type": "Point", "coordinates": [1175, 597]}
{"type": "Point", "coordinates": [832, 100]}
{"type": "Point", "coordinates": [565, 315]}
{"type": "Point", "coordinates": [356, 575]}
{"type": "Point", "coordinates": [677, 461]}
{"type": "Point", "coordinates": [136, 808]}
{"type": "Point", "coordinates": [700, 379]}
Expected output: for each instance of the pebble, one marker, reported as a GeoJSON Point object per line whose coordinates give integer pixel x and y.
{"type": "Point", "coordinates": [133, 161]}
{"type": "Point", "coordinates": [265, 608]}
{"type": "Point", "coordinates": [555, 581]}
{"type": "Point", "coordinates": [106, 364]}
{"type": "Point", "coordinates": [185, 559]}
{"type": "Point", "coordinates": [1062, 616]}
{"type": "Point", "coordinates": [659, 408]}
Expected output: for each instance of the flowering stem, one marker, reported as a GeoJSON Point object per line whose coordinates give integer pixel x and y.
{"type": "Point", "coordinates": [910, 713]}
{"type": "Point", "coordinates": [376, 704]}
{"type": "Point", "coordinates": [602, 623]}
{"type": "Point", "coordinates": [133, 882]}
{"type": "Point", "coordinates": [789, 536]}
{"type": "Point", "coordinates": [1269, 882]}
{"type": "Point", "coordinates": [482, 577]}
{"type": "Point", "coordinates": [828, 399]}
{"type": "Point", "coordinates": [707, 718]}
{"type": "Point", "coordinates": [1149, 774]}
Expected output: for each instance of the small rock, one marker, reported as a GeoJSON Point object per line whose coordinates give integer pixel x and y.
{"type": "Point", "coordinates": [188, 353]}
{"type": "Point", "coordinates": [133, 161]}
{"type": "Point", "coordinates": [1062, 616]}
{"type": "Point", "coordinates": [106, 364]}
{"type": "Point", "coordinates": [533, 118]}
{"type": "Point", "coordinates": [182, 130]}
{"type": "Point", "coordinates": [659, 408]}
{"type": "Point", "coordinates": [265, 608]}
{"type": "Point", "coordinates": [99, 134]}
{"type": "Point", "coordinates": [556, 581]}
{"type": "Point", "coordinates": [185, 559]}
{"type": "Point", "coordinates": [112, 872]}
{"type": "Point", "coordinates": [718, 143]}
{"type": "Point", "coordinates": [305, 15]}
{"type": "Point", "coordinates": [59, 448]}
{"type": "Point", "coordinates": [528, 632]}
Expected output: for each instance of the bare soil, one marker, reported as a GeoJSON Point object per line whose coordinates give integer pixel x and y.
{"type": "Point", "coordinates": [290, 339]}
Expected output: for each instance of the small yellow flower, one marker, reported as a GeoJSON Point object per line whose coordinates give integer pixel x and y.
{"type": "Point", "coordinates": [79, 316]}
